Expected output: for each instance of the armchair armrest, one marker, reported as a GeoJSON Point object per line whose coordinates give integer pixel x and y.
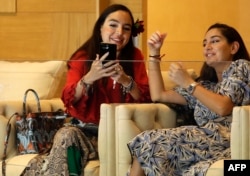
{"type": "Point", "coordinates": [106, 139]}
{"type": "Point", "coordinates": [240, 132]}
{"type": "Point", "coordinates": [240, 141]}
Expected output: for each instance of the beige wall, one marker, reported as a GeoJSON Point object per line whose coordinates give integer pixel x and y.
{"type": "Point", "coordinates": [7, 6]}
{"type": "Point", "coordinates": [186, 21]}
{"type": "Point", "coordinates": [49, 29]}
{"type": "Point", "coordinates": [46, 30]}
{"type": "Point", "coordinates": [53, 29]}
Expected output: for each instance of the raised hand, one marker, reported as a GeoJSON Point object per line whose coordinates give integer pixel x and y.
{"type": "Point", "coordinates": [99, 70]}
{"type": "Point", "coordinates": [155, 42]}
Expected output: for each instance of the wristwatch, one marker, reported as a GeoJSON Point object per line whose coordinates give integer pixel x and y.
{"type": "Point", "coordinates": [190, 89]}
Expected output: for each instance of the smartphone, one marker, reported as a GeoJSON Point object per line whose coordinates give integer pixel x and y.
{"type": "Point", "coordinates": [108, 47]}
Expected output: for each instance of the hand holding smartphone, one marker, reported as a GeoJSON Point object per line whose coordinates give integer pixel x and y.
{"type": "Point", "coordinates": [108, 47]}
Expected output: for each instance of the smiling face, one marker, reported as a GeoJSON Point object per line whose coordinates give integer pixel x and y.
{"type": "Point", "coordinates": [216, 48]}
{"type": "Point", "coordinates": [117, 29]}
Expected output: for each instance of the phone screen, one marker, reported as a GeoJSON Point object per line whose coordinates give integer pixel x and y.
{"type": "Point", "coordinates": [108, 47]}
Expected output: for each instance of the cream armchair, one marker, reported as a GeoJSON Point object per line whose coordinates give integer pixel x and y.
{"type": "Point", "coordinates": [15, 163]}
{"type": "Point", "coordinates": [121, 122]}
{"type": "Point", "coordinates": [47, 78]}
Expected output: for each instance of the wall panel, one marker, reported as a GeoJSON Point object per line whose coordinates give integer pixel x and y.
{"type": "Point", "coordinates": [51, 29]}
{"type": "Point", "coordinates": [134, 5]}
{"type": "Point", "coordinates": [69, 32]}
{"type": "Point", "coordinates": [45, 30]}
{"type": "Point", "coordinates": [57, 6]}
{"type": "Point", "coordinates": [186, 22]}
{"type": "Point", "coordinates": [24, 35]}
{"type": "Point", "coordinates": [7, 6]}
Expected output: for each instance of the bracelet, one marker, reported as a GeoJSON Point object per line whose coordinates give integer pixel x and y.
{"type": "Point", "coordinates": [129, 87]}
{"type": "Point", "coordinates": [157, 56]}
{"type": "Point", "coordinates": [86, 86]}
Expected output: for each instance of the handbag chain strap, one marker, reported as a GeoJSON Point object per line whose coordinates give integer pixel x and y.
{"type": "Point", "coordinates": [8, 129]}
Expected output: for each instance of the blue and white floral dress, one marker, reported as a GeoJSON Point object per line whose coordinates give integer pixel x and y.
{"type": "Point", "coordinates": [190, 150]}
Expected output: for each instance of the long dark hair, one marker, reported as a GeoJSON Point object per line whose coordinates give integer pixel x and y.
{"type": "Point", "coordinates": [91, 46]}
{"type": "Point", "coordinates": [231, 35]}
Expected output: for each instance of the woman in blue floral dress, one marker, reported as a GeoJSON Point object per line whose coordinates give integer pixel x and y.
{"type": "Point", "coordinates": [223, 84]}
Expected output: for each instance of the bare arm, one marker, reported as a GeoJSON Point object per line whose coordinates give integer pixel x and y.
{"type": "Point", "coordinates": [156, 85]}
{"type": "Point", "coordinates": [221, 105]}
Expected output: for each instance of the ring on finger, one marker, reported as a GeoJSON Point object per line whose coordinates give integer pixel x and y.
{"type": "Point", "coordinates": [117, 69]}
{"type": "Point", "coordinates": [120, 67]}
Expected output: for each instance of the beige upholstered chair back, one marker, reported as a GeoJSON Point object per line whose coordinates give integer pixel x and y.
{"type": "Point", "coordinates": [240, 133]}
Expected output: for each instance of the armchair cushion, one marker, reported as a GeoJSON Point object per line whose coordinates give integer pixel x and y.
{"type": "Point", "coordinates": [240, 132]}
{"type": "Point", "coordinates": [17, 77]}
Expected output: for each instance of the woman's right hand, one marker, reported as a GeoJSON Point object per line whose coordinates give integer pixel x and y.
{"type": "Point", "coordinates": [98, 70]}
{"type": "Point", "coordinates": [155, 42]}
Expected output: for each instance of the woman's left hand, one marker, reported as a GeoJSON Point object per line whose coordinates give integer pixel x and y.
{"type": "Point", "coordinates": [179, 75]}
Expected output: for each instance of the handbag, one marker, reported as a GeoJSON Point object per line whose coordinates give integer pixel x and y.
{"type": "Point", "coordinates": [35, 130]}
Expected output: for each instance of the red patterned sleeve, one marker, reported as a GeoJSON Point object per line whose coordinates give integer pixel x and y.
{"type": "Point", "coordinates": [76, 69]}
